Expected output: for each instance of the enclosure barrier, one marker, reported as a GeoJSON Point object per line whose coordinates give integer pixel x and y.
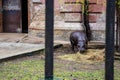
{"type": "Point", "coordinates": [109, 51]}
{"type": "Point", "coordinates": [49, 16]}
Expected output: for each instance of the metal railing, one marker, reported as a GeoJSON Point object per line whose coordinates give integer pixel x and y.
{"type": "Point", "coordinates": [109, 52]}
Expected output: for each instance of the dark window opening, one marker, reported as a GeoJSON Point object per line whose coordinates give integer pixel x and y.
{"type": "Point", "coordinates": [24, 16]}
{"type": "Point", "coordinates": [15, 20]}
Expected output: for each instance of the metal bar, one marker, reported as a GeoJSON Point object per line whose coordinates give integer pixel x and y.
{"type": "Point", "coordinates": [49, 16]}
{"type": "Point", "coordinates": [117, 27]}
{"type": "Point", "coordinates": [119, 34]}
{"type": "Point", "coordinates": [109, 49]}
{"type": "Point", "coordinates": [118, 11]}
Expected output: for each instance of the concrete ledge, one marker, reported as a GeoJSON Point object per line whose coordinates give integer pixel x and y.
{"type": "Point", "coordinates": [8, 50]}
{"type": "Point", "coordinates": [13, 49]}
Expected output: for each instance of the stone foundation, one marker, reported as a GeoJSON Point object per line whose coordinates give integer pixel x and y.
{"type": "Point", "coordinates": [64, 34]}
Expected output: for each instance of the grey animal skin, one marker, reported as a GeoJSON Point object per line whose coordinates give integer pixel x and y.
{"type": "Point", "coordinates": [79, 41]}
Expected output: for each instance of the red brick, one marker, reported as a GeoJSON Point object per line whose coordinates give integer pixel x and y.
{"type": "Point", "coordinates": [92, 17]}
{"type": "Point", "coordinates": [95, 8]}
{"type": "Point", "coordinates": [101, 1]}
{"type": "Point", "coordinates": [92, 1]}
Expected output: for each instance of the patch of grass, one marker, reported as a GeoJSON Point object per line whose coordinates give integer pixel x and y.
{"type": "Point", "coordinates": [23, 70]}
{"type": "Point", "coordinates": [34, 70]}
{"type": "Point", "coordinates": [80, 75]}
{"type": "Point", "coordinates": [117, 74]}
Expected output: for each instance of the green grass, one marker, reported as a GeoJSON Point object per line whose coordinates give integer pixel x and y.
{"type": "Point", "coordinates": [34, 70]}
{"type": "Point", "coordinates": [24, 70]}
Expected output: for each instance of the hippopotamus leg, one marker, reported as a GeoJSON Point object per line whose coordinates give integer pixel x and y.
{"type": "Point", "coordinates": [72, 46]}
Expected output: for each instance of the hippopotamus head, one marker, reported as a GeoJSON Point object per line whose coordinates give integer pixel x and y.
{"type": "Point", "coordinates": [82, 45]}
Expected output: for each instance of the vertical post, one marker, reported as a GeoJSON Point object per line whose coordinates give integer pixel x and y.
{"type": "Point", "coordinates": [119, 34]}
{"type": "Point", "coordinates": [117, 31]}
{"type": "Point", "coordinates": [109, 56]}
{"type": "Point", "coordinates": [117, 28]}
{"type": "Point", "coordinates": [49, 39]}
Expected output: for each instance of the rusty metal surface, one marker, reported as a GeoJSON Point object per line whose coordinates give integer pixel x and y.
{"type": "Point", "coordinates": [11, 21]}
{"type": "Point", "coordinates": [11, 16]}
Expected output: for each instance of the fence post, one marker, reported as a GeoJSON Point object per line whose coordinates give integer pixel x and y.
{"type": "Point", "coordinates": [109, 52]}
{"type": "Point", "coordinates": [117, 27]}
{"type": "Point", "coordinates": [49, 16]}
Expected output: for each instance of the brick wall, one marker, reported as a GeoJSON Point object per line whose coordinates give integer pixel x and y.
{"type": "Point", "coordinates": [67, 11]}
{"type": "Point", "coordinates": [68, 16]}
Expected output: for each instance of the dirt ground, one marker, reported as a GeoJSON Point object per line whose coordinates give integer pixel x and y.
{"type": "Point", "coordinates": [95, 59]}
{"type": "Point", "coordinates": [77, 63]}
{"type": "Point", "coordinates": [64, 64]}
{"type": "Point", "coordinates": [89, 65]}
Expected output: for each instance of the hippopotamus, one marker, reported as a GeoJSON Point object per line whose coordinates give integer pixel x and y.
{"type": "Point", "coordinates": [79, 40]}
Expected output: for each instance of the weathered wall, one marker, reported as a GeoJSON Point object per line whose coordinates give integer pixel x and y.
{"type": "Point", "coordinates": [1, 29]}
{"type": "Point", "coordinates": [68, 18]}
